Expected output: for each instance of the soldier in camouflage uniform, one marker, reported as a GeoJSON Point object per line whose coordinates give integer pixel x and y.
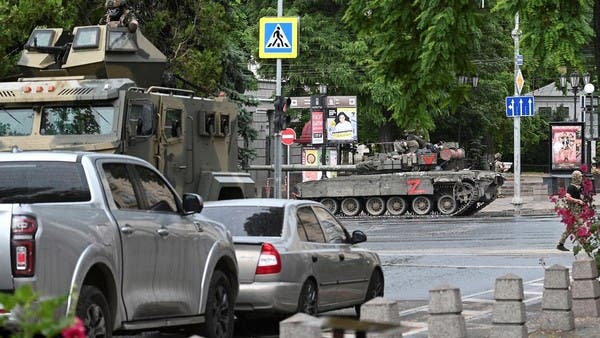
{"type": "Point", "coordinates": [117, 11]}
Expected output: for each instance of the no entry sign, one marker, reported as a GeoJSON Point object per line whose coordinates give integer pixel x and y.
{"type": "Point", "coordinates": [288, 135]}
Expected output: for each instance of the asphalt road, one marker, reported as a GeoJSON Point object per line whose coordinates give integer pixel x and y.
{"type": "Point", "coordinates": [468, 253]}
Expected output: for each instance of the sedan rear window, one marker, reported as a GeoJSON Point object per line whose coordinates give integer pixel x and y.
{"type": "Point", "coordinates": [255, 221]}
{"type": "Point", "coordinates": [42, 182]}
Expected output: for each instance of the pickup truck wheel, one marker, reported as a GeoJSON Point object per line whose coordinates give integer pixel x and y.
{"type": "Point", "coordinates": [92, 309]}
{"type": "Point", "coordinates": [219, 308]}
{"type": "Point", "coordinates": [308, 302]}
{"type": "Point", "coordinates": [375, 289]}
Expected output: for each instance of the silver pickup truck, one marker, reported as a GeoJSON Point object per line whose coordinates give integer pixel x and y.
{"type": "Point", "coordinates": [110, 229]}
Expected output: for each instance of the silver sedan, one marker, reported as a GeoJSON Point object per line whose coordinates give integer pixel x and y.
{"type": "Point", "coordinates": [295, 256]}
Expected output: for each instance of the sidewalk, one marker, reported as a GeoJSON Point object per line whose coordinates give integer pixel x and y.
{"type": "Point", "coordinates": [530, 206]}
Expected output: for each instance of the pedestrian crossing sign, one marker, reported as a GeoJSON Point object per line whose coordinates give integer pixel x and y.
{"type": "Point", "coordinates": [278, 38]}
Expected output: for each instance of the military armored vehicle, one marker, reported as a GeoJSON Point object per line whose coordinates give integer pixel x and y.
{"type": "Point", "coordinates": [99, 89]}
{"type": "Point", "coordinates": [416, 178]}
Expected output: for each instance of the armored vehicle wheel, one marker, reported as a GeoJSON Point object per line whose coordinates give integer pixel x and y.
{"type": "Point", "coordinates": [446, 204]}
{"type": "Point", "coordinates": [464, 192]}
{"type": "Point", "coordinates": [422, 205]}
{"type": "Point", "coordinates": [350, 206]}
{"type": "Point", "coordinates": [375, 206]}
{"type": "Point", "coordinates": [396, 205]}
{"type": "Point", "coordinates": [331, 204]}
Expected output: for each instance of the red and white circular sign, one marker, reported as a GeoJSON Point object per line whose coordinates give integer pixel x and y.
{"type": "Point", "coordinates": [288, 135]}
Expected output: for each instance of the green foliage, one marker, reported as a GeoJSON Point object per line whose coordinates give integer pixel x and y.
{"type": "Point", "coordinates": [34, 316]}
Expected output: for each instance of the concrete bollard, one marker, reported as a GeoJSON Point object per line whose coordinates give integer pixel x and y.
{"type": "Point", "coordinates": [585, 289]}
{"type": "Point", "coordinates": [509, 316]}
{"type": "Point", "coordinates": [445, 313]}
{"type": "Point", "coordinates": [380, 310]}
{"type": "Point", "coordinates": [300, 325]}
{"type": "Point", "coordinates": [557, 314]}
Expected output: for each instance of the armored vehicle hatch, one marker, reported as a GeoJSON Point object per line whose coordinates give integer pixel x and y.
{"type": "Point", "coordinates": [103, 51]}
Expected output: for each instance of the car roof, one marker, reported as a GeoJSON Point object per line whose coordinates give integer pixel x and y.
{"type": "Point", "coordinates": [268, 202]}
{"type": "Point", "coordinates": [61, 156]}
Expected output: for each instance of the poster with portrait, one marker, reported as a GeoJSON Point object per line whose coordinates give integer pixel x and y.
{"type": "Point", "coordinates": [341, 125]}
{"type": "Point", "coordinates": [566, 146]}
{"type": "Point", "coordinates": [312, 157]}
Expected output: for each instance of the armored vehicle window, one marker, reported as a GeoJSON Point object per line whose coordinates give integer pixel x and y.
{"type": "Point", "coordinates": [248, 220]}
{"type": "Point", "coordinates": [120, 40]}
{"type": "Point", "coordinates": [141, 118]}
{"type": "Point", "coordinates": [308, 221]}
{"type": "Point", "coordinates": [41, 38]}
{"type": "Point", "coordinates": [42, 182]}
{"type": "Point", "coordinates": [86, 37]}
{"type": "Point", "coordinates": [173, 123]}
{"type": "Point", "coordinates": [158, 195]}
{"type": "Point", "coordinates": [120, 186]}
{"type": "Point", "coordinates": [16, 122]}
{"type": "Point", "coordinates": [77, 120]}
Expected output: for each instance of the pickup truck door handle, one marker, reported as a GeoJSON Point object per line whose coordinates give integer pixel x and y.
{"type": "Point", "coordinates": [127, 229]}
{"type": "Point", "coordinates": [315, 259]}
{"type": "Point", "coordinates": [198, 226]}
{"type": "Point", "coordinates": [163, 232]}
{"type": "Point", "coordinates": [341, 257]}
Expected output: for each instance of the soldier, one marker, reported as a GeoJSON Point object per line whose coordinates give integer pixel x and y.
{"type": "Point", "coordinates": [117, 11]}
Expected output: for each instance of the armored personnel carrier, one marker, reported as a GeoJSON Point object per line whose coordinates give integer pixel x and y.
{"type": "Point", "coordinates": [98, 89]}
{"type": "Point", "coordinates": [416, 178]}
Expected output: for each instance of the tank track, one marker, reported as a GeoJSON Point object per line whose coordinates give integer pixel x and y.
{"type": "Point", "coordinates": [466, 196]}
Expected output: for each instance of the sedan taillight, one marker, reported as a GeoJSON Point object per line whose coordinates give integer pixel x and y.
{"type": "Point", "coordinates": [269, 260]}
{"type": "Point", "coordinates": [22, 242]}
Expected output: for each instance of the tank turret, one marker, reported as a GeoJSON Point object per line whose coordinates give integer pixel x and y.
{"type": "Point", "coordinates": [102, 51]}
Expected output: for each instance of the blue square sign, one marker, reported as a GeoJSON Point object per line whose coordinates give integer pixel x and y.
{"type": "Point", "coordinates": [520, 106]}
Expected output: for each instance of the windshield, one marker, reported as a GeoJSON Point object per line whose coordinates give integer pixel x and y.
{"type": "Point", "coordinates": [248, 220]}
{"type": "Point", "coordinates": [42, 182]}
{"type": "Point", "coordinates": [16, 122]}
{"type": "Point", "coordinates": [85, 120]}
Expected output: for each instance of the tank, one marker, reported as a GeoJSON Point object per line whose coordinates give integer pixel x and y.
{"type": "Point", "coordinates": [417, 178]}
{"type": "Point", "coordinates": [98, 88]}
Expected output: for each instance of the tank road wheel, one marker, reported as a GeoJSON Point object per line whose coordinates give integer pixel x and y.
{"type": "Point", "coordinates": [396, 205]}
{"type": "Point", "coordinates": [422, 205]}
{"type": "Point", "coordinates": [375, 206]}
{"type": "Point", "coordinates": [331, 204]}
{"type": "Point", "coordinates": [350, 206]}
{"type": "Point", "coordinates": [446, 204]}
{"type": "Point", "coordinates": [464, 192]}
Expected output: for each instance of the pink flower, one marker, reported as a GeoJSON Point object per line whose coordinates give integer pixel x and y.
{"type": "Point", "coordinates": [583, 232]}
{"type": "Point", "coordinates": [77, 330]}
{"type": "Point", "coordinates": [584, 168]}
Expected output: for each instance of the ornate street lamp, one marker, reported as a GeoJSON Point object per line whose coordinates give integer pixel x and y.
{"type": "Point", "coordinates": [574, 81]}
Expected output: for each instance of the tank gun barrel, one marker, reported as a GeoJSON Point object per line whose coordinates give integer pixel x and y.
{"type": "Point", "coordinates": [301, 167]}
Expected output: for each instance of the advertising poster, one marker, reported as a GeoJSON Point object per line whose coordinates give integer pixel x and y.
{"type": "Point", "coordinates": [312, 157]}
{"type": "Point", "coordinates": [317, 127]}
{"type": "Point", "coordinates": [341, 125]}
{"type": "Point", "coordinates": [566, 148]}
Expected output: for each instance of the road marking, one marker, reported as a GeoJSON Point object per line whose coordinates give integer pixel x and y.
{"type": "Point", "coordinates": [462, 266]}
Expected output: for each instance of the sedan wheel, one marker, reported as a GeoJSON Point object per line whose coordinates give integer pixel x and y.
{"type": "Point", "coordinates": [421, 205]}
{"type": "Point", "coordinates": [375, 206]}
{"type": "Point", "coordinates": [350, 206]}
{"type": "Point", "coordinates": [396, 205]}
{"type": "Point", "coordinates": [308, 301]}
{"type": "Point", "coordinates": [375, 289]}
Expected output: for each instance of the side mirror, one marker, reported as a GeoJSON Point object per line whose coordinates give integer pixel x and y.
{"type": "Point", "coordinates": [358, 237]}
{"type": "Point", "coordinates": [192, 203]}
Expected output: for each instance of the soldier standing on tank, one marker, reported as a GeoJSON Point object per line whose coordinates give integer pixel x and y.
{"type": "Point", "coordinates": [118, 11]}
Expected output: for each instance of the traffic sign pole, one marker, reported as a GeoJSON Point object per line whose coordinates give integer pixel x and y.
{"type": "Point", "coordinates": [516, 33]}
{"type": "Point", "coordinates": [277, 143]}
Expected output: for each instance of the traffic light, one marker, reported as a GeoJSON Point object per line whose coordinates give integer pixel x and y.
{"type": "Point", "coordinates": [281, 118]}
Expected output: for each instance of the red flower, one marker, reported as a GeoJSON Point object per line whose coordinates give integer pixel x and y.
{"type": "Point", "coordinates": [583, 232]}
{"type": "Point", "coordinates": [77, 330]}
{"type": "Point", "coordinates": [583, 168]}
